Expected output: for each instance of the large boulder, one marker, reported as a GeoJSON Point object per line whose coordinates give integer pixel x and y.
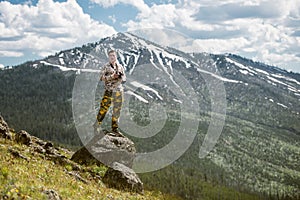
{"type": "Point", "coordinates": [4, 129]}
{"type": "Point", "coordinates": [106, 149]}
{"type": "Point", "coordinates": [120, 177]}
{"type": "Point", "coordinates": [23, 137]}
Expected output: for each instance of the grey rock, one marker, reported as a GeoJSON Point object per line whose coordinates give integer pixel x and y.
{"type": "Point", "coordinates": [106, 149]}
{"type": "Point", "coordinates": [52, 194]}
{"type": "Point", "coordinates": [4, 129]}
{"type": "Point", "coordinates": [23, 137]}
{"type": "Point", "coordinates": [124, 178]}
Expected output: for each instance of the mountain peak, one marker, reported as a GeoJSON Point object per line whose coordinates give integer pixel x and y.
{"type": "Point", "coordinates": [262, 110]}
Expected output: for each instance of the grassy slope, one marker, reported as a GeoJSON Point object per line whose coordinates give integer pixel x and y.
{"type": "Point", "coordinates": [22, 179]}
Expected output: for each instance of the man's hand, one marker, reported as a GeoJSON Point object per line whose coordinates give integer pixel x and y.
{"type": "Point", "coordinates": [115, 76]}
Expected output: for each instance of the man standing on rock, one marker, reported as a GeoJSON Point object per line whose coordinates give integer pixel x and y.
{"type": "Point", "coordinates": [113, 75]}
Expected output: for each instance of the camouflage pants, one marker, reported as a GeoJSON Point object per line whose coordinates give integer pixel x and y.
{"type": "Point", "coordinates": [111, 97]}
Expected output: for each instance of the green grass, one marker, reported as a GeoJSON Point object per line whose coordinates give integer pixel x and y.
{"type": "Point", "coordinates": [22, 179]}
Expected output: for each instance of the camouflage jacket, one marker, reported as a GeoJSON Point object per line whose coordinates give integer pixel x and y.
{"type": "Point", "coordinates": [111, 83]}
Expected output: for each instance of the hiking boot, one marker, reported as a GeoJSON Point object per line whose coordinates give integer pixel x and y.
{"type": "Point", "coordinates": [117, 133]}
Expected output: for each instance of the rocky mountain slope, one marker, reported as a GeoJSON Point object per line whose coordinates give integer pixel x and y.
{"type": "Point", "coordinates": [32, 168]}
{"type": "Point", "coordinates": [258, 149]}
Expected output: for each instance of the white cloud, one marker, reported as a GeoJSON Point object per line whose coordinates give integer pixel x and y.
{"type": "Point", "coordinates": [217, 45]}
{"type": "Point", "coordinates": [1, 66]}
{"type": "Point", "coordinates": [10, 54]}
{"type": "Point", "coordinates": [139, 4]}
{"type": "Point", "coordinates": [164, 15]}
{"type": "Point", "coordinates": [47, 27]}
{"type": "Point", "coordinates": [265, 30]}
{"type": "Point", "coordinates": [165, 37]}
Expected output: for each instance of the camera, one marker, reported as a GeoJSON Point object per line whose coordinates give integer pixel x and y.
{"type": "Point", "coordinates": [120, 74]}
{"type": "Point", "coordinates": [123, 77]}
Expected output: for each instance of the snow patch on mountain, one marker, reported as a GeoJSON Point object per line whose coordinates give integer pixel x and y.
{"type": "Point", "coordinates": [243, 67]}
{"type": "Point", "coordinates": [262, 71]}
{"type": "Point", "coordinates": [244, 71]}
{"type": "Point", "coordinates": [282, 105]}
{"type": "Point", "coordinates": [145, 87]}
{"type": "Point", "coordinates": [137, 96]}
{"type": "Point", "coordinates": [160, 53]}
{"type": "Point", "coordinates": [286, 78]}
{"type": "Point", "coordinates": [293, 89]}
{"type": "Point", "coordinates": [219, 77]}
{"type": "Point", "coordinates": [135, 60]}
{"type": "Point", "coordinates": [177, 100]}
{"type": "Point", "coordinates": [61, 61]}
{"type": "Point", "coordinates": [272, 83]}
{"type": "Point", "coordinates": [271, 78]}
{"type": "Point", "coordinates": [63, 68]}
{"type": "Point", "coordinates": [280, 82]}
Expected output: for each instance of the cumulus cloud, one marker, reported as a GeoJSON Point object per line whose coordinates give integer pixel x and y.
{"type": "Point", "coordinates": [46, 27]}
{"type": "Point", "coordinates": [264, 30]}
{"type": "Point", "coordinates": [139, 4]}
{"type": "Point", "coordinates": [10, 53]}
{"type": "Point", "coordinates": [265, 9]}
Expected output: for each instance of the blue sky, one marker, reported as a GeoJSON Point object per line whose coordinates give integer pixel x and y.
{"type": "Point", "coordinates": [263, 30]}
